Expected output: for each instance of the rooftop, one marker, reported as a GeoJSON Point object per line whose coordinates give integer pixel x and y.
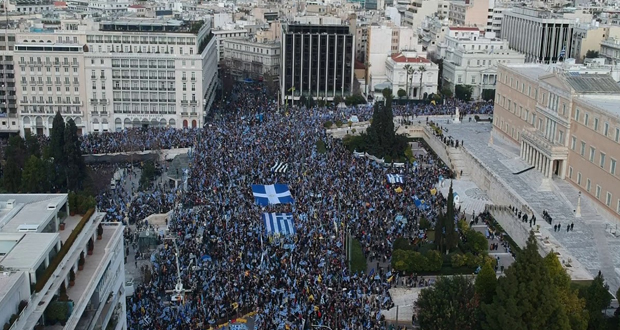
{"type": "Point", "coordinates": [530, 70]}
{"type": "Point", "coordinates": [7, 281]}
{"type": "Point", "coordinates": [28, 251]}
{"type": "Point", "coordinates": [152, 25]}
{"type": "Point", "coordinates": [403, 58]}
{"type": "Point", "coordinates": [607, 103]}
{"type": "Point", "coordinates": [593, 83]}
{"type": "Point", "coordinates": [28, 209]}
{"type": "Point", "coordinates": [463, 28]}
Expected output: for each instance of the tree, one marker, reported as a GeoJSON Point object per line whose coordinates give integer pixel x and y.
{"type": "Point", "coordinates": [569, 298]}
{"type": "Point", "coordinates": [421, 70]}
{"type": "Point", "coordinates": [488, 94]}
{"type": "Point", "coordinates": [32, 145]}
{"type": "Point", "coordinates": [401, 93]}
{"type": "Point", "coordinates": [525, 300]}
{"type": "Point", "coordinates": [463, 92]}
{"type": "Point", "coordinates": [12, 176]}
{"type": "Point", "coordinates": [450, 304]}
{"type": "Point", "coordinates": [476, 242]}
{"type": "Point", "coordinates": [592, 54]}
{"type": "Point", "coordinates": [446, 92]}
{"type": "Point", "coordinates": [76, 169]}
{"type": "Point", "coordinates": [310, 102]}
{"type": "Point", "coordinates": [57, 151]}
{"type": "Point", "coordinates": [34, 176]}
{"type": "Point", "coordinates": [302, 100]}
{"type": "Point", "coordinates": [486, 283]}
{"type": "Point", "coordinates": [597, 299]}
{"type": "Point", "coordinates": [452, 236]}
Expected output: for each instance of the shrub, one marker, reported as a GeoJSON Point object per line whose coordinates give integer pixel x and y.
{"type": "Point", "coordinates": [424, 223]}
{"type": "Point", "coordinates": [477, 118]}
{"type": "Point", "coordinates": [7, 326]}
{"type": "Point", "coordinates": [328, 124]}
{"type": "Point", "coordinates": [81, 261]}
{"type": "Point", "coordinates": [402, 243]}
{"type": "Point", "coordinates": [338, 123]}
{"type": "Point", "coordinates": [22, 304]}
{"type": "Point", "coordinates": [434, 261]}
{"type": "Point", "coordinates": [13, 318]}
{"type": "Point", "coordinates": [458, 260]}
{"type": "Point", "coordinates": [71, 275]}
{"type": "Point", "coordinates": [417, 262]}
{"type": "Point", "coordinates": [63, 251]}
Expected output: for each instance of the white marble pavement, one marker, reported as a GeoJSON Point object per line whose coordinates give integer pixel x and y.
{"type": "Point", "coordinates": [590, 242]}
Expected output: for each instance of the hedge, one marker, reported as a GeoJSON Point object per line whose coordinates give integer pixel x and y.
{"type": "Point", "coordinates": [63, 251]}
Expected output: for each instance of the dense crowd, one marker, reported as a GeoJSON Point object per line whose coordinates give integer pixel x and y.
{"type": "Point", "coordinates": [289, 280]}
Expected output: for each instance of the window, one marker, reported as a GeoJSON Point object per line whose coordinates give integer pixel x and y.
{"type": "Point", "coordinates": [598, 192]}
{"type": "Point", "coordinates": [583, 149]}
{"type": "Point", "coordinates": [586, 119]}
{"type": "Point", "coordinates": [612, 166]}
{"type": "Point", "coordinates": [617, 134]}
{"type": "Point", "coordinates": [573, 142]}
{"type": "Point", "coordinates": [606, 129]}
{"type": "Point", "coordinates": [588, 185]}
{"type": "Point", "coordinates": [579, 178]}
{"type": "Point", "coordinates": [570, 172]}
{"type": "Point", "coordinates": [577, 114]}
{"type": "Point", "coordinates": [592, 153]}
{"type": "Point", "coordinates": [596, 124]}
{"type": "Point", "coordinates": [608, 199]}
{"type": "Point", "coordinates": [602, 163]}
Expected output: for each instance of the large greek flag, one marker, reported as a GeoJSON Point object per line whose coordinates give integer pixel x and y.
{"type": "Point", "coordinates": [271, 194]}
{"type": "Point", "coordinates": [395, 178]}
{"type": "Point", "coordinates": [279, 167]}
{"type": "Point", "coordinates": [279, 223]}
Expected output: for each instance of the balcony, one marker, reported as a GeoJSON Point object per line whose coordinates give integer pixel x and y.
{"type": "Point", "coordinates": [551, 149]}
{"type": "Point", "coordinates": [75, 64]}
{"type": "Point", "coordinates": [184, 102]}
{"type": "Point", "coordinates": [65, 64]}
{"type": "Point", "coordinates": [103, 101]}
{"type": "Point", "coordinates": [193, 102]}
{"type": "Point", "coordinates": [93, 101]}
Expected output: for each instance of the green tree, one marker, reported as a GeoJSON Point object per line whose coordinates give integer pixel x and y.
{"type": "Point", "coordinates": [597, 299]}
{"type": "Point", "coordinates": [525, 300]}
{"type": "Point", "coordinates": [476, 242]}
{"type": "Point", "coordinates": [17, 151]}
{"type": "Point", "coordinates": [57, 151]}
{"type": "Point", "coordinates": [592, 53]}
{"type": "Point", "coordinates": [34, 176]}
{"type": "Point", "coordinates": [450, 304]}
{"type": "Point", "coordinates": [12, 176]}
{"type": "Point", "coordinates": [463, 92]}
{"type": "Point", "coordinates": [401, 93]}
{"type": "Point", "coordinates": [488, 94]}
{"type": "Point", "coordinates": [569, 298]}
{"type": "Point", "coordinates": [452, 236]}
{"type": "Point", "coordinates": [486, 283]}
{"type": "Point", "coordinates": [310, 102]}
{"type": "Point", "coordinates": [446, 92]}
{"type": "Point", "coordinates": [74, 162]}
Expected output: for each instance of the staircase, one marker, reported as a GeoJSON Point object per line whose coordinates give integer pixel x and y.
{"type": "Point", "coordinates": [458, 162]}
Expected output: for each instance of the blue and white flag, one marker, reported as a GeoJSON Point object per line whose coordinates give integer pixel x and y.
{"type": "Point", "coordinates": [271, 194]}
{"type": "Point", "coordinates": [279, 223]}
{"type": "Point", "coordinates": [395, 178]}
{"type": "Point", "coordinates": [279, 167]}
{"type": "Point", "coordinates": [563, 52]}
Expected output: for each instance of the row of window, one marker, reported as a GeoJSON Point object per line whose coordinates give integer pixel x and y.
{"type": "Point", "coordinates": [49, 89]}
{"type": "Point", "coordinates": [592, 155]}
{"type": "Point", "coordinates": [598, 189]}
{"type": "Point", "coordinates": [594, 124]}
{"type": "Point", "coordinates": [47, 69]}
{"type": "Point", "coordinates": [140, 40]}
{"type": "Point", "coordinates": [145, 74]}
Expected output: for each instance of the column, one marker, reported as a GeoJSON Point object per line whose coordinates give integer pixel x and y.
{"type": "Point", "coordinates": [521, 151]}
{"type": "Point", "coordinates": [529, 154]}
{"type": "Point", "coordinates": [550, 174]}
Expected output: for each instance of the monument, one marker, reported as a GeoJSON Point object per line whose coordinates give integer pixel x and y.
{"type": "Point", "coordinates": [457, 116]}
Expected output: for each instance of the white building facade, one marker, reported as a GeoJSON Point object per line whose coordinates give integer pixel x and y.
{"type": "Point", "coordinates": [472, 60]}
{"type": "Point", "coordinates": [422, 79]}
{"type": "Point", "coordinates": [248, 58]}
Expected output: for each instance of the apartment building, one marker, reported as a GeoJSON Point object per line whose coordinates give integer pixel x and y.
{"type": "Point", "coordinates": [317, 60]}
{"type": "Point", "coordinates": [539, 34]}
{"type": "Point", "coordinates": [470, 12]}
{"type": "Point", "coordinates": [417, 10]}
{"type": "Point", "coordinates": [567, 125]}
{"type": "Point", "coordinates": [432, 33]}
{"type": "Point", "coordinates": [249, 58]}
{"type": "Point", "coordinates": [589, 37]}
{"type": "Point", "coordinates": [107, 80]}
{"type": "Point", "coordinates": [610, 49]}
{"type": "Point", "coordinates": [60, 271]}
{"type": "Point", "coordinates": [472, 59]}
{"type": "Point", "coordinates": [413, 73]}
{"type": "Point", "coordinates": [30, 6]}
{"type": "Point", "coordinates": [223, 34]}
{"type": "Point", "coordinates": [8, 102]}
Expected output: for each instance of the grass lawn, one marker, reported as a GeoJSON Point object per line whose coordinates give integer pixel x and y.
{"type": "Point", "coordinates": [358, 261]}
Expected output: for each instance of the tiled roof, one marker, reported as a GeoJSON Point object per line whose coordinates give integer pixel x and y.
{"type": "Point", "coordinates": [593, 83]}
{"type": "Point", "coordinates": [400, 58]}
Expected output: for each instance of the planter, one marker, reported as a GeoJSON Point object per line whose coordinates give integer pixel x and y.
{"type": "Point", "coordinates": [99, 237]}
{"type": "Point", "coordinates": [90, 252]}
{"type": "Point", "coordinates": [80, 267]}
{"type": "Point", "coordinates": [62, 226]}
{"type": "Point", "coordinates": [71, 283]}
{"type": "Point", "coordinates": [72, 213]}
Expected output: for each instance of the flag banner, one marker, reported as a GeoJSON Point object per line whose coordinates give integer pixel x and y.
{"type": "Point", "coordinates": [271, 194]}
{"type": "Point", "coordinates": [420, 203]}
{"type": "Point", "coordinates": [279, 223]}
{"type": "Point", "coordinates": [395, 178]}
{"type": "Point", "coordinates": [279, 167]}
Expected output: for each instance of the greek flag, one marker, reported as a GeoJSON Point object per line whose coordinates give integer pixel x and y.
{"type": "Point", "coordinates": [271, 194]}
{"type": "Point", "coordinates": [563, 52]}
{"type": "Point", "coordinates": [395, 178]}
{"type": "Point", "coordinates": [279, 167]}
{"type": "Point", "coordinates": [279, 223]}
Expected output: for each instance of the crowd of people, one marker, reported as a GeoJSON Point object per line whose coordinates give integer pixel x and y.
{"type": "Point", "coordinates": [228, 263]}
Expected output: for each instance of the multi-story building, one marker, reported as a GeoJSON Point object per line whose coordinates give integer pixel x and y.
{"type": "Point", "coordinates": [495, 18]}
{"type": "Point", "coordinates": [223, 34]}
{"type": "Point", "coordinates": [414, 74]}
{"type": "Point", "coordinates": [109, 6]}
{"type": "Point", "coordinates": [249, 58]}
{"type": "Point", "coordinates": [58, 267]}
{"type": "Point", "coordinates": [539, 34]}
{"type": "Point", "coordinates": [432, 33]}
{"type": "Point", "coordinates": [317, 60]}
{"type": "Point", "coordinates": [418, 10]}
{"type": "Point", "coordinates": [8, 103]}
{"type": "Point", "coordinates": [588, 37]}
{"type": "Point", "coordinates": [610, 49]}
{"type": "Point", "coordinates": [566, 124]}
{"type": "Point", "coordinates": [31, 6]}
{"type": "Point", "coordinates": [164, 74]}
{"type": "Point", "coordinates": [470, 12]}
{"type": "Point", "coordinates": [471, 59]}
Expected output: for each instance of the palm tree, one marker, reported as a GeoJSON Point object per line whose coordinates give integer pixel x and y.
{"type": "Point", "coordinates": [407, 67]}
{"type": "Point", "coordinates": [421, 70]}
